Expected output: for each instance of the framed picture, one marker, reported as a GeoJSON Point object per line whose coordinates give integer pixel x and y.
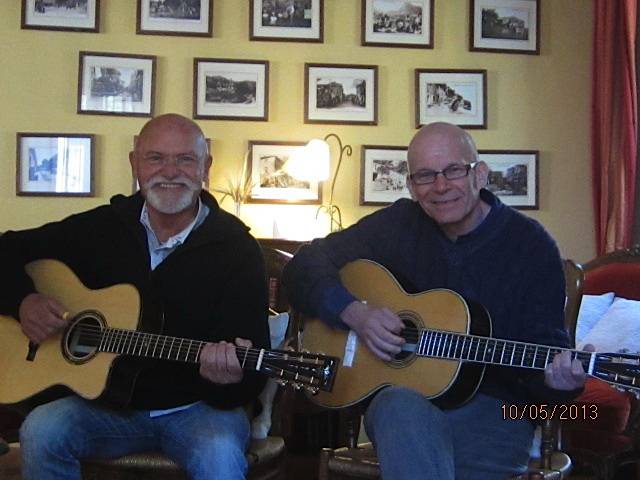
{"type": "Point", "coordinates": [513, 176]}
{"type": "Point", "coordinates": [135, 186]}
{"type": "Point", "coordinates": [271, 184]}
{"type": "Point", "coordinates": [66, 15]}
{"type": "Point", "coordinates": [337, 93]}
{"type": "Point", "coordinates": [505, 26]}
{"type": "Point", "coordinates": [397, 23]}
{"type": "Point", "coordinates": [225, 89]}
{"type": "Point", "coordinates": [116, 84]}
{"type": "Point", "coordinates": [286, 20]}
{"type": "Point", "coordinates": [54, 164]}
{"type": "Point", "coordinates": [383, 174]}
{"type": "Point", "coordinates": [189, 18]}
{"type": "Point", "coordinates": [454, 96]}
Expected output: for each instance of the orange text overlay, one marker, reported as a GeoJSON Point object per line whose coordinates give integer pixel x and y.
{"type": "Point", "coordinates": [543, 411]}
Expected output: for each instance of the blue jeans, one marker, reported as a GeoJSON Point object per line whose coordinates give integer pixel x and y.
{"type": "Point", "coordinates": [415, 439]}
{"type": "Point", "coordinates": [207, 443]}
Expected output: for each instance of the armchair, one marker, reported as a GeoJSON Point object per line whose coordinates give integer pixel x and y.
{"type": "Point", "coordinates": [610, 441]}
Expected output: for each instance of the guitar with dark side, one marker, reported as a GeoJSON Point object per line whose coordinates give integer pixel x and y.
{"type": "Point", "coordinates": [102, 327]}
{"type": "Point", "coordinates": [448, 345]}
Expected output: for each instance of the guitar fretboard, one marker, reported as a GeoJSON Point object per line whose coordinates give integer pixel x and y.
{"type": "Point", "coordinates": [457, 346]}
{"type": "Point", "coordinates": [163, 347]}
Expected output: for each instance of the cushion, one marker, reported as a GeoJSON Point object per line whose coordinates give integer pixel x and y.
{"type": "Point", "coordinates": [592, 308]}
{"type": "Point", "coordinates": [261, 424]}
{"type": "Point", "coordinates": [619, 328]}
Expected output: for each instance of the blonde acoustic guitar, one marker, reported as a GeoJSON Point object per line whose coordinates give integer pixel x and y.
{"type": "Point", "coordinates": [102, 329]}
{"type": "Point", "coordinates": [447, 346]}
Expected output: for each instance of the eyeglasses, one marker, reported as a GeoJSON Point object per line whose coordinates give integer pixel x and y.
{"type": "Point", "coordinates": [452, 172]}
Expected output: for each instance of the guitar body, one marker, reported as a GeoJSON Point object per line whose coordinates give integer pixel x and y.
{"type": "Point", "coordinates": [21, 378]}
{"type": "Point", "coordinates": [447, 382]}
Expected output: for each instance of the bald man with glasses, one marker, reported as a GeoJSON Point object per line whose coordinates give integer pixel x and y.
{"type": "Point", "coordinates": [453, 234]}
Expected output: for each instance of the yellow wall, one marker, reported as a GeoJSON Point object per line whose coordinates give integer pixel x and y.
{"type": "Point", "coordinates": [535, 102]}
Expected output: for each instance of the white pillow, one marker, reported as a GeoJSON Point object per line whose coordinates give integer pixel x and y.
{"type": "Point", "coordinates": [261, 424]}
{"type": "Point", "coordinates": [619, 328]}
{"type": "Point", "coordinates": [592, 308]}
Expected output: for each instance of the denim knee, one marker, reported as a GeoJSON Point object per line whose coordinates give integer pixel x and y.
{"type": "Point", "coordinates": [222, 454]}
{"type": "Point", "coordinates": [399, 406]}
{"type": "Point", "coordinates": [45, 431]}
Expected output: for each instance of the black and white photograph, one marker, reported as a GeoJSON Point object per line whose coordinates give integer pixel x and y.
{"type": "Point", "coordinates": [175, 17]}
{"type": "Point", "coordinates": [286, 20]}
{"type": "Point", "coordinates": [341, 93]}
{"type": "Point", "coordinates": [513, 176]}
{"type": "Point", "coordinates": [454, 96]}
{"type": "Point", "coordinates": [505, 26]}
{"type": "Point", "coordinates": [397, 23]}
{"type": "Point", "coordinates": [383, 174]}
{"type": "Point", "coordinates": [54, 164]}
{"type": "Point", "coordinates": [271, 183]}
{"type": "Point", "coordinates": [116, 84]}
{"type": "Point", "coordinates": [65, 15]}
{"type": "Point", "coordinates": [231, 89]}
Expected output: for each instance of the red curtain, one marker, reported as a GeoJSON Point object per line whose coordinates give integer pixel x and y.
{"type": "Point", "coordinates": [614, 122]}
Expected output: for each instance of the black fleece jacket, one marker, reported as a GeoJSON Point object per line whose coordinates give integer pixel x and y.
{"type": "Point", "coordinates": [211, 288]}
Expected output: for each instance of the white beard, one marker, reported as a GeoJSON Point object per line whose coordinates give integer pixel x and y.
{"type": "Point", "coordinates": [167, 201]}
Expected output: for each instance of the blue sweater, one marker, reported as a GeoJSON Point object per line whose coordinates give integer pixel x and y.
{"type": "Point", "coordinates": [509, 264]}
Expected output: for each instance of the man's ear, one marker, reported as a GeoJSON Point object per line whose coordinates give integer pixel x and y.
{"type": "Point", "coordinates": [411, 191]}
{"type": "Point", "coordinates": [132, 161]}
{"type": "Point", "coordinates": [482, 174]}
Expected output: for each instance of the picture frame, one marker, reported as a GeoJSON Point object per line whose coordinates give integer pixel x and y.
{"type": "Point", "coordinates": [271, 184]}
{"type": "Point", "coordinates": [55, 164]}
{"type": "Point", "coordinates": [340, 93]}
{"type": "Point", "coordinates": [73, 16]}
{"type": "Point", "coordinates": [455, 96]}
{"type": "Point", "coordinates": [230, 89]}
{"type": "Point", "coordinates": [135, 186]}
{"type": "Point", "coordinates": [116, 84]}
{"type": "Point", "coordinates": [397, 23]}
{"type": "Point", "coordinates": [383, 174]}
{"type": "Point", "coordinates": [513, 176]}
{"type": "Point", "coordinates": [286, 21]}
{"type": "Point", "coordinates": [505, 26]}
{"type": "Point", "coordinates": [193, 19]}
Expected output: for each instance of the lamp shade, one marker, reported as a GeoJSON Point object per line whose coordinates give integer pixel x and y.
{"type": "Point", "coordinates": [310, 163]}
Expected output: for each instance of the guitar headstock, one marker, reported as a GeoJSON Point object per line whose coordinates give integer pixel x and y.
{"type": "Point", "coordinates": [310, 371]}
{"type": "Point", "coordinates": [621, 370]}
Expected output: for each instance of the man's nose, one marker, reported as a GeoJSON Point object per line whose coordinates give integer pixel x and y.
{"type": "Point", "coordinates": [441, 182]}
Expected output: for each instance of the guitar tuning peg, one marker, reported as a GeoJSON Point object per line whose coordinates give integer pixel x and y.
{"type": "Point", "coordinates": [312, 390]}
{"type": "Point", "coordinates": [282, 382]}
{"type": "Point", "coordinates": [296, 385]}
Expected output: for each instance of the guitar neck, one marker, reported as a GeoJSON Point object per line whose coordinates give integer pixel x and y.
{"type": "Point", "coordinates": [163, 347]}
{"type": "Point", "coordinates": [472, 348]}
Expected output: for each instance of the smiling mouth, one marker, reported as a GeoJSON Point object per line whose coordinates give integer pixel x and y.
{"type": "Point", "coordinates": [169, 186]}
{"type": "Point", "coordinates": [444, 202]}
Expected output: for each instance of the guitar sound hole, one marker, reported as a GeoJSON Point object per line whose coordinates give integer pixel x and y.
{"type": "Point", "coordinates": [412, 325]}
{"type": "Point", "coordinates": [80, 343]}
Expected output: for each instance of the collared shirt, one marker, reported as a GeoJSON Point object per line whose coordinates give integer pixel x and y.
{"type": "Point", "coordinates": [159, 251]}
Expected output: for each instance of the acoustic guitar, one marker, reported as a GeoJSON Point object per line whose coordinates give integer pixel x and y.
{"type": "Point", "coordinates": [102, 327]}
{"type": "Point", "coordinates": [447, 347]}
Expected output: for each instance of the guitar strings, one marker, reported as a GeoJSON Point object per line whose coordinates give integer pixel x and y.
{"type": "Point", "coordinates": [131, 339]}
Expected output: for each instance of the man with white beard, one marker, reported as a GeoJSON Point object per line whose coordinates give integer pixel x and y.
{"type": "Point", "coordinates": [200, 275]}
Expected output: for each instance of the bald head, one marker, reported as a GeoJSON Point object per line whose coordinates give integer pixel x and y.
{"type": "Point", "coordinates": [442, 136]}
{"type": "Point", "coordinates": [174, 124]}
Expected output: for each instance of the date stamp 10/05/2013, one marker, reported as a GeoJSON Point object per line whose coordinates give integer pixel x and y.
{"type": "Point", "coordinates": [543, 411]}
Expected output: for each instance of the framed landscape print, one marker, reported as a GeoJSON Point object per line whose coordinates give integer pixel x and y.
{"type": "Point", "coordinates": [454, 96]}
{"type": "Point", "coordinates": [193, 18]}
{"type": "Point", "coordinates": [286, 20]}
{"type": "Point", "coordinates": [397, 23]}
{"type": "Point", "coordinates": [66, 15]}
{"type": "Point", "coordinates": [505, 26]}
{"type": "Point", "coordinates": [336, 93]}
{"type": "Point", "coordinates": [383, 174]}
{"type": "Point", "coordinates": [271, 184]}
{"type": "Point", "coordinates": [54, 164]}
{"type": "Point", "coordinates": [116, 84]}
{"type": "Point", "coordinates": [226, 89]}
{"type": "Point", "coordinates": [513, 176]}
